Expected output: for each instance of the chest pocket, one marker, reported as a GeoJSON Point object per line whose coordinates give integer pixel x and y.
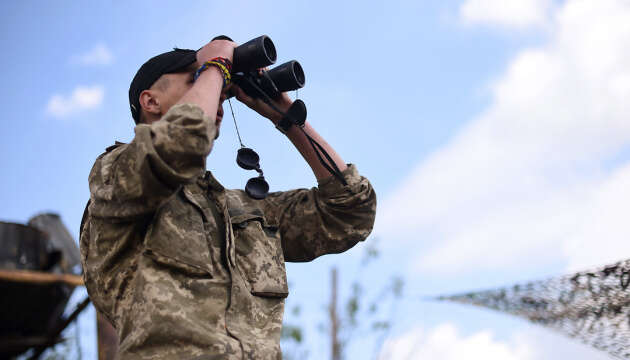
{"type": "Point", "coordinates": [176, 237]}
{"type": "Point", "coordinates": [259, 255]}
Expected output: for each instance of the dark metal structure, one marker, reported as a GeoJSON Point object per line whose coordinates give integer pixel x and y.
{"type": "Point", "coordinates": [38, 273]}
{"type": "Point", "coordinates": [59, 240]}
{"type": "Point", "coordinates": [592, 306]}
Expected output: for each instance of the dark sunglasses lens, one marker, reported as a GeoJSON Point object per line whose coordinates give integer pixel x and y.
{"type": "Point", "coordinates": [247, 159]}
{"type": "Point", "coordinates": [257, 188]}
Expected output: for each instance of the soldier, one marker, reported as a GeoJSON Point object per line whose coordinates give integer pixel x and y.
{"type": "Point", "coordinates": [182, 267]}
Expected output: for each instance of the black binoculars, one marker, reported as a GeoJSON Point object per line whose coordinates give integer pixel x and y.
{"type": "Point", "coordinates": [248, 63]}
{"type": "Point", "coordinates": [259, 53]}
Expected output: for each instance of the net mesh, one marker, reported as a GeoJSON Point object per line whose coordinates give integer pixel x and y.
{"type": "Point", "coordinates": [592, 306]}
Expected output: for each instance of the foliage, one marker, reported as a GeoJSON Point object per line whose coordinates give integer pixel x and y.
{"type": "Point", "coordinates": [369, 313]}
{"type": "Point", "coordinates": [292, 338]}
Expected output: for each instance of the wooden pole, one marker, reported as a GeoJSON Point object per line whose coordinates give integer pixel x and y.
{"type": "Point", "coordinates": [334, 319]}
{"type": "Point", "coordinates": [38, 277]}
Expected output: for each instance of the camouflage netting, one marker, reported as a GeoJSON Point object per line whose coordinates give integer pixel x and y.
{"type": "Point", "coordinates": [592, 306]}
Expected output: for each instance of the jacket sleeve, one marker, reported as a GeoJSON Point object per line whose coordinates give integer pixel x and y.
{"type": "Point", "coordinates": [134, 179]}
{"type": "Point", "coordinates": [331, 218]}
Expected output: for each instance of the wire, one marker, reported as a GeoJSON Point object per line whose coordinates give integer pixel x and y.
{"type": "Point", "coordinates": [235, 125]}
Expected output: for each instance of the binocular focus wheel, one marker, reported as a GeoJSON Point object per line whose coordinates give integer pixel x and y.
{"type": "Point", "coordinates": [247, 159]}
{"type": "Point", "coordinates": [257, 188]}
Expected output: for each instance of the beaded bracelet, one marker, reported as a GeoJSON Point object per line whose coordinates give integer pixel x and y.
{"type": "Point", "coordinates": [222, 63]}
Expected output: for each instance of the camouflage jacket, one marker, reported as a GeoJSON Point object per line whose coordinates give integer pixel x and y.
{"type": "Point", "coordinates": [155, 267]}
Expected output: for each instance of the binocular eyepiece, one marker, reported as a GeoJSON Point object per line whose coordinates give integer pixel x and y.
{"type": "Point", "coordinates": [259, 53]}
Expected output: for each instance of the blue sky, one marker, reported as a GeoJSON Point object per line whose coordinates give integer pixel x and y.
{"type": "Point", "coordinates": [496, 137]}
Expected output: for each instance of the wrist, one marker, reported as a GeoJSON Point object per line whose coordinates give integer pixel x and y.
{"type": "Point", "coordinates": [222, 64]}
{"type": "Point", "coordinates": [275, 117]}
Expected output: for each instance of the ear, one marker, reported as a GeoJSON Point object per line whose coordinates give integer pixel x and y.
{"type": "Point", "coordinates": [150, 102]}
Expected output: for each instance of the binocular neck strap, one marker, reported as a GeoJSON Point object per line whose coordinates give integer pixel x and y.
{"type": "Point", "coordinates": [319, 150]}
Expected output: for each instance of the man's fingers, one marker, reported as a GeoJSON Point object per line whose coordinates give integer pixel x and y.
{"type": "Point", "coordinates": [226, 92]}
{"type": "Point", "coordinates": [242, 97]}
{"type": "Point", "coordinates": [256, 104]}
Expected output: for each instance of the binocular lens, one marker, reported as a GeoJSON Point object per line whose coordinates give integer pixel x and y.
{"type": "Point", "coordinates": [269, 49]}
{"type": "Point", "coordinates": [288, 76]}
{"type": "Point", "coordinates": [299, 73]}
{"type": "Point", "coordinates": [254, 54]}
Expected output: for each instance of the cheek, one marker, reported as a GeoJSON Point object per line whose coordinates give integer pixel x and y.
{"type": "Point", "coordinates": [185, 87]}
{"type": "Point", "coordinates": [181, 91]}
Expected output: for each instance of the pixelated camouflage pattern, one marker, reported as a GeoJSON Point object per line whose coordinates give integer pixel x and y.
{"type": "Point", "coordinates": [174, 282]}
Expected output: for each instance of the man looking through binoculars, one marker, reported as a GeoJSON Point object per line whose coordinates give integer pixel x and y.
{"type": "Point", "coordinates": [182, 267]}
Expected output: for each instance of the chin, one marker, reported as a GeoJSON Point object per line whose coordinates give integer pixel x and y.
{"type": "Point", "coordinates": [217, 124]}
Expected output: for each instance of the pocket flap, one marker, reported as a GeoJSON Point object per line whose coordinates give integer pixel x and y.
{"type": "Point", "coordinates": [176, 264]}
{"type": "Point", "coordinates": [259, 255]}
{"type": "Point", "coordinates": [177, 237]}
{"type": "Point", "coordinates": [273, 289]}
{"type": "Point", "coordinates": [242, 219]}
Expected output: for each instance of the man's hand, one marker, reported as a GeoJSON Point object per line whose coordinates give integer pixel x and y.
{"type": "Point", "coordinates": [216, 48]}
{"type": "Point", "coordinates": [283, 102]}
{"type": "Point", "coordinates": [207, 90]}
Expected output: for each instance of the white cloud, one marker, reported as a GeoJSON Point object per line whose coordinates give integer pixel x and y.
{"type": "Point", "coordinates": [533, 178]}
{"type": "Point", "coordinates": [82, 98]}
{"type": "Point", "coordinates": [445, 342]}
{"type": "Point", "coordinates": [506, 13]}
{"type": "Point", "coordinates": [602, 236]}
{"type": "Point", "coordinates": [98, 55]}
